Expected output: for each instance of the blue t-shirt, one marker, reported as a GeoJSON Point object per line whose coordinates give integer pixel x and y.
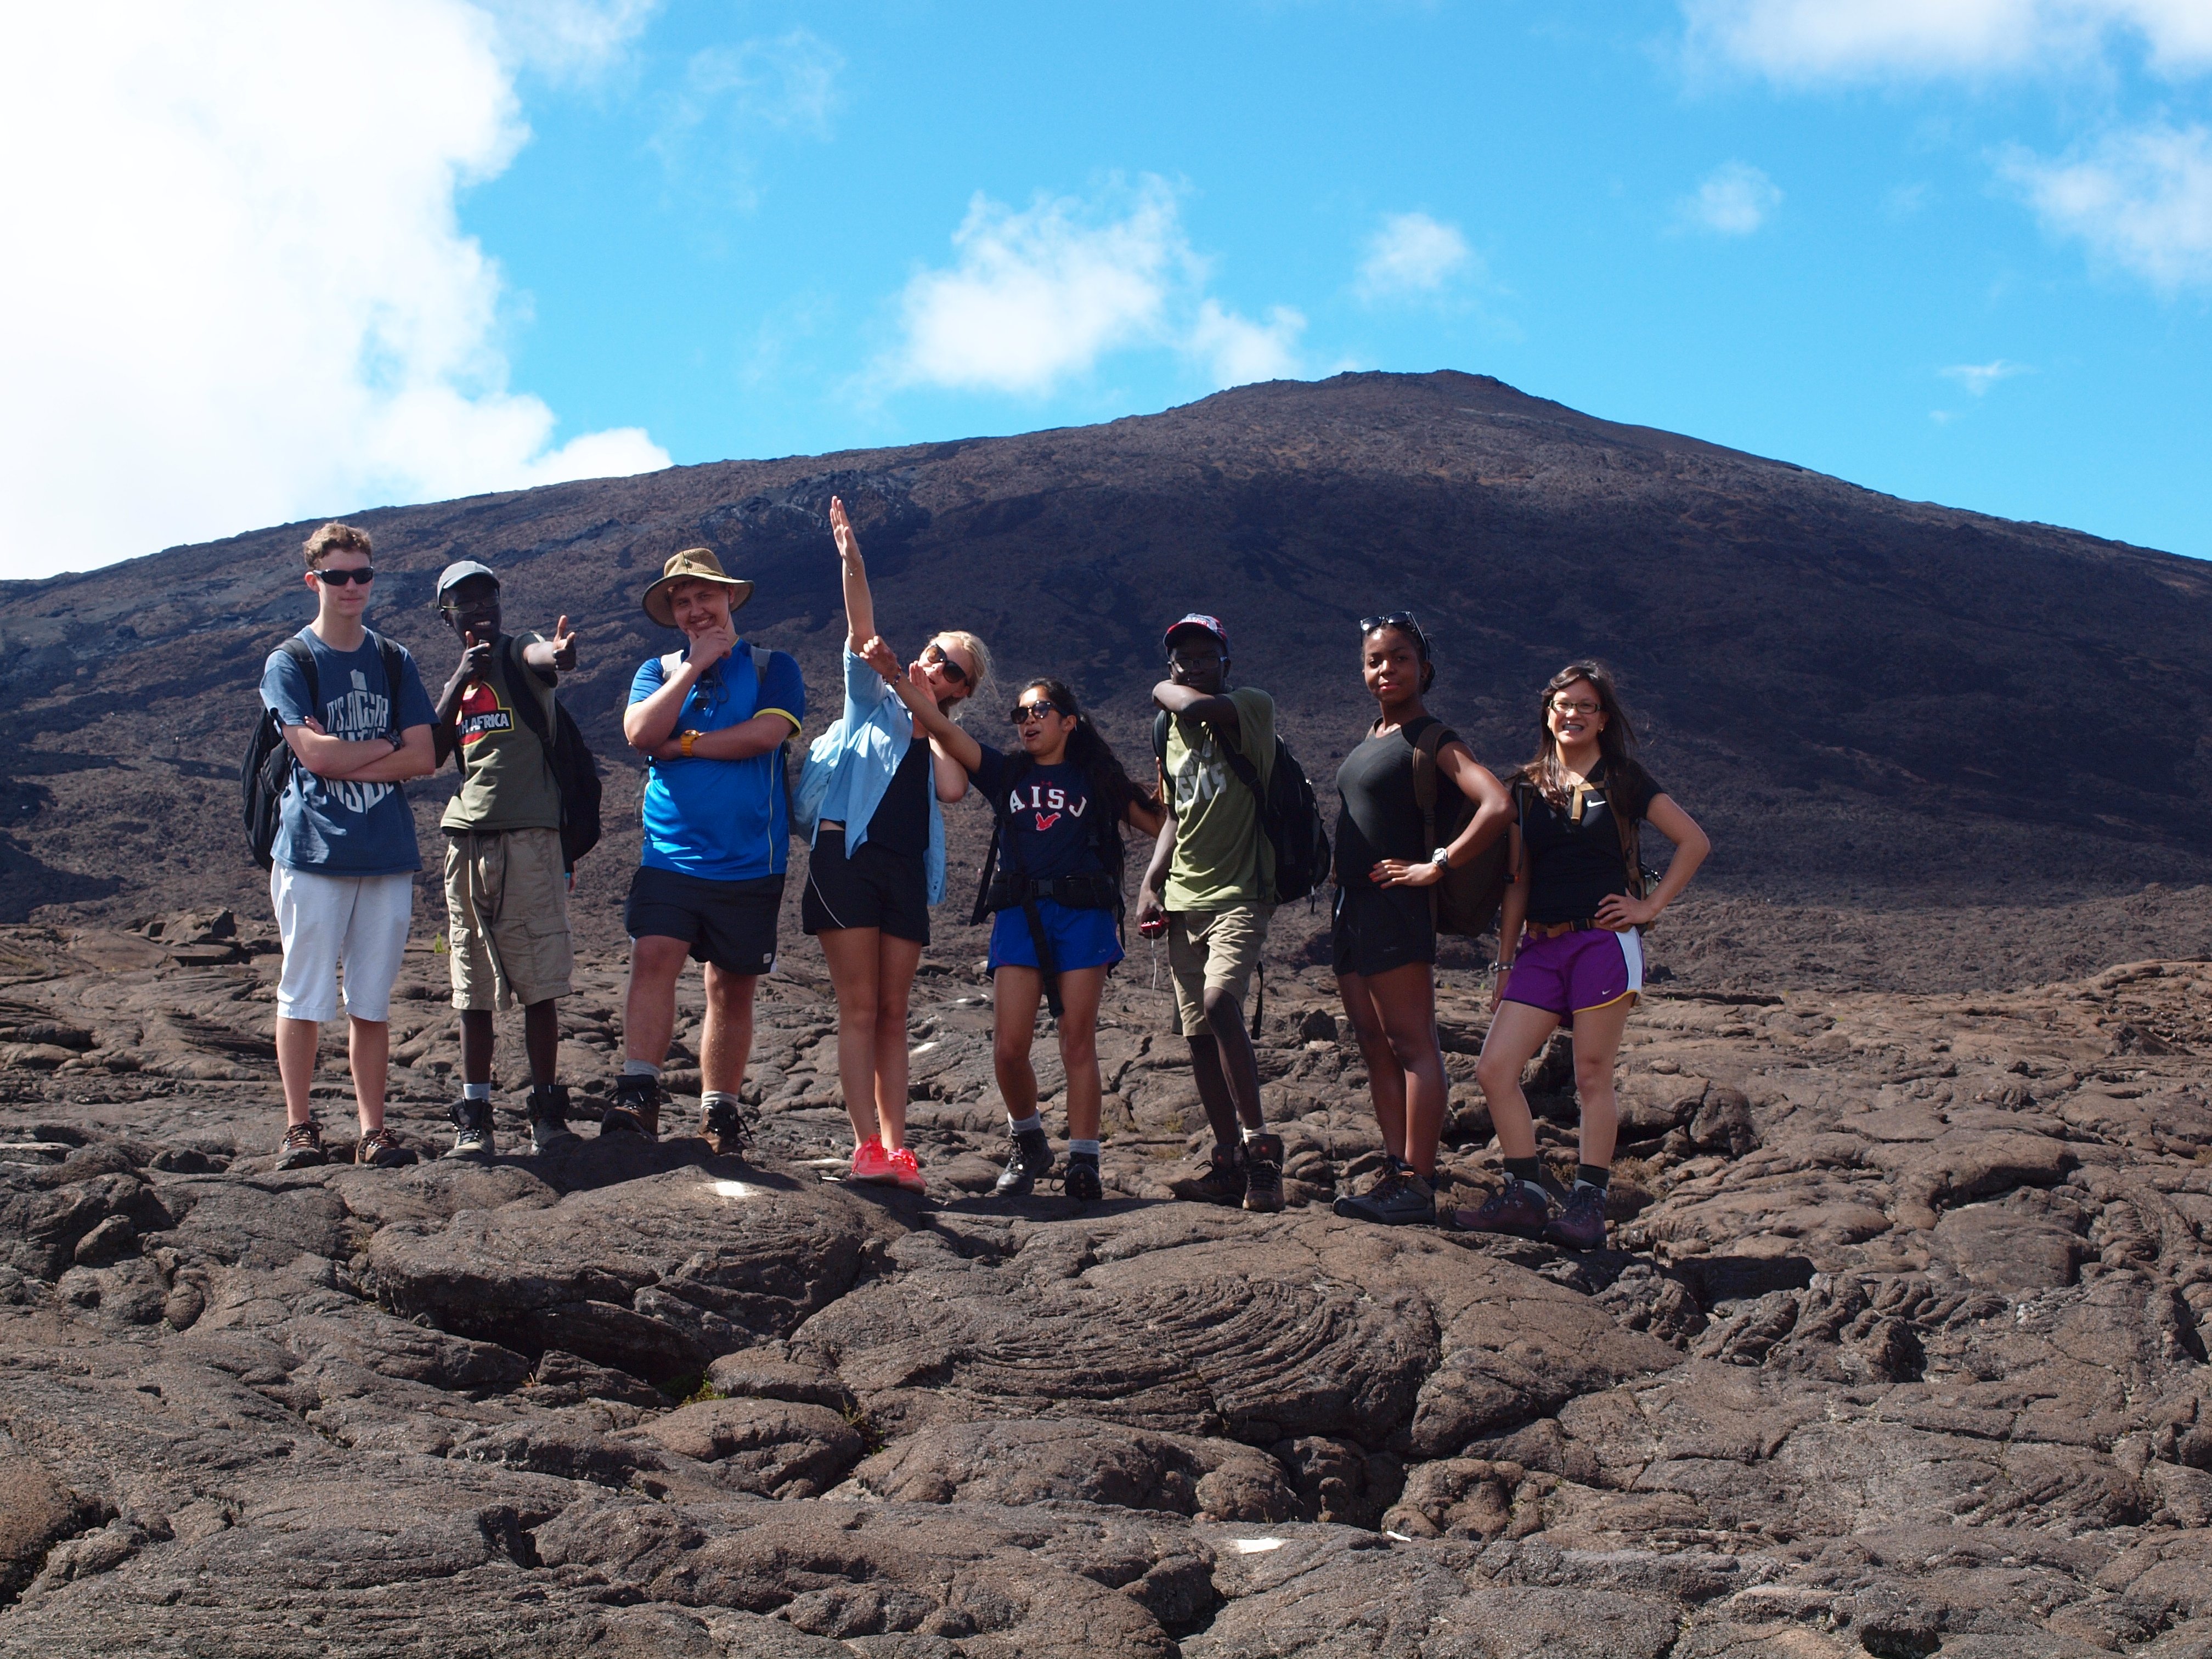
{"type": "Point", "coordinates": [722, 820]}
{"type": "Point", "coordinates": [330, 826]}
{"type": "Point", "coordinates": [1052, 826]}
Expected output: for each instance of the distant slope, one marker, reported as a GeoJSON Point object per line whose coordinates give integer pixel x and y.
{"type": "Point", "coordinates": [1866, 700]}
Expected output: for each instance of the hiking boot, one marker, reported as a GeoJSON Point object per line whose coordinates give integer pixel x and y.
{"type": "Point", "coordinates": [872, 1163]}
{"type": "Point", "coordinates": [472, 1118]}
{"type": "Point", "coordinates": [381, 1148]}
{"type": "Point", "coordinates": [1080, 1180]}
{"type": "Point", "coordinates": [1263, 1174]}
{"type": "Point", "coordinates": [302, 1147]}
{"type": "Point", "coordinates": [1029, 1164]}
{"type": "Point", "coordinates": [549, 1119]}
{"type": "Point", "coordinates": [722, 1126]}
{"type": "Point", "coordinates": [1398, 1198]}
{"type": "Point", "coordinates": [1519, 1209]}
{"type": "Point", "coordinates": [1224, 1182]}
{"type": "Point", "coordinates": [906, 1169]}
{"type": "Point", "coordinates": [1580, 1225]}
{"type": "Point", "coordinates": [636, 1110]}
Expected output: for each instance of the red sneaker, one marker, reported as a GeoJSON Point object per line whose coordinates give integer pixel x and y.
{"type": "Point", "coordinates": [906, 1169]}
{"type": "Point", "coordinates": [871, 1163]}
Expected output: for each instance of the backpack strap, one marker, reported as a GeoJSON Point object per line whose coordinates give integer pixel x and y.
{"type": "Point", "coordinates": [1424, 796]}
{"type": "Point", "coordinates": [1632, 841]}
{"type": "Point", "coordinates": [525, 701]}
{"type": "Point", "coordinates": [395, 671]}
{"type": "Point", "coordinates": [301, 652]}
{"type": "Point", "coordinates": [1161, 722]}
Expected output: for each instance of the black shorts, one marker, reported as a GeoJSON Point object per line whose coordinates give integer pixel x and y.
{"type": "Point", "coordinates": [730, 923]}
{"type": "Point", "coordinates": [874, 888]}
{"type": "Point", "coordinates": [1379, 928]}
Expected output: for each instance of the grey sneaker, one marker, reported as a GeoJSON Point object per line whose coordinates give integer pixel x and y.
{"type": "Point", "coordinates": [1399, 1198]}
{"type": "Point", "coordinates": [302, 1147]}
{"type": "Point", "coordinates": [549, 1119]}
{"type": "Point", "coordinates": [472, 1118]}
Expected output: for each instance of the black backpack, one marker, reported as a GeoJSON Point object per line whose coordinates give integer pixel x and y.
{"type": "Point", "coordinates": [576, 772]}
{"type": "Point", "coordinates": [266, 772]}
{"type": "Point", "coordinates": [1289, 814]}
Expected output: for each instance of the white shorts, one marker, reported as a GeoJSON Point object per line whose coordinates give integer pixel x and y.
{"type": "Point", "coordinates": [325, 920]}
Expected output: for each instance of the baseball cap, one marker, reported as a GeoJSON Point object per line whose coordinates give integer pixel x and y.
{"type": "Point", "coordinates": [1211, 624]}
{"type": "Point", "coordinates": [458, 572]}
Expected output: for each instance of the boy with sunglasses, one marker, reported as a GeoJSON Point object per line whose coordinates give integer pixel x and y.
{"type": "Point", "coordinates": [341, 877]}
{"type": "Point", "coordinates": [1212, 881]}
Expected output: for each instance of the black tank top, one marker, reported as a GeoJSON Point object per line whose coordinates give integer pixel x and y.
{"type": "Point", "coordinates": [901, 823]}
{"type": "Point", "coordinates": [1381, 819]}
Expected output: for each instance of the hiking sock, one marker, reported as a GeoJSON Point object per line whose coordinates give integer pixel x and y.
{"type": "Point", "coordinates": [714, 1097]}
{"type": "Point", "coordinates": [1033, 1124]}
{"type": "Point", "coordinates": [477, 1092]}
{"type": "Point", "coordinates": [1251, 1135]}
{"type": "Point", "coordinates": [1084, 1149]}
{"type": "Point", "coordinates": [1529, 1170]}
{"type": "Point", "coordinates": [640, 1069]}
{"type": "Point", "coordinates": [1592, 1175]}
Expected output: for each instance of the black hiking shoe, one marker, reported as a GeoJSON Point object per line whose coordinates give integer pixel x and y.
{"type": "Point", "coordinates": [636, 1108]}
{"type": "Point", "coordinates": [472, 1118]}
{"type": "Point", "coordinates": [1580, 1225]}
{"type": "Point", "coordinates": [1399, 1198]}
{"type": "Point", "coordinates": [549, 1119]}
{"type": "Point", "coordinates": [1263, 1174]}
{"type": "Point", "coordinates": [1519, 1209]}
{"type": "Point", "coordinates": [1029, 1163]}
{"type": "Point", "coordinates": [722, 1126]}
{"type": "Point", "coordinates": [1224, 1182]}
{"type": "Point", "coordinates": [301, 1147]}
{"type": "Point", "coordinates": [1080, 1180]}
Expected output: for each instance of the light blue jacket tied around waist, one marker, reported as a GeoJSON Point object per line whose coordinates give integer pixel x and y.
{"type": "Point", "coordinates": [849, 767]}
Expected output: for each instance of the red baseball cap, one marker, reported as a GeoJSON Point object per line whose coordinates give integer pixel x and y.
{"type": "Point", "coordinates": [1211, 624]}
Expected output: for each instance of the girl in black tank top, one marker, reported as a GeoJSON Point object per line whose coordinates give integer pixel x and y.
{"type": "Point", "coordinates": [1385, 942]}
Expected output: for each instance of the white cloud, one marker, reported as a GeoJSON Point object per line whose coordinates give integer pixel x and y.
{"type": "Point", "coordinates": [789, 81]}
{"type": "Point", "coordinates": [1735, 200]}
{"type": "Point", "coordinates": [1806, 41]}
{"type": "Point", "coordinates": [2141, 199]}
{"type": "Point", "coordinates": [1411, 254]}
{"type": "Point", "coordinates": [1979, 378]}
{"type": "Point", "coordinates": [1040, 295]}
{"type": "Point", "coordinates": [240, 293]}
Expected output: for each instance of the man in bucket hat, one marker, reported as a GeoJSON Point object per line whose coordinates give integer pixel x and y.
{"type": "Point", "coordinates": [713, 718]}
{"type": "Point", "coordinates": [506, 889]}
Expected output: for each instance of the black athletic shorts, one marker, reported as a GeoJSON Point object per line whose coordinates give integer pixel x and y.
{"type": "Point", "coordinates": [730, 923]}
{"type": "Point", "coordinates": [874, 888]}
{"type": "Point", "coordinates": [1379, 928]}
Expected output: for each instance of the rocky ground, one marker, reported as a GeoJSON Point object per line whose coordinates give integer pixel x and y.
{"type": "Point", "coordinates": [1898, 1352]}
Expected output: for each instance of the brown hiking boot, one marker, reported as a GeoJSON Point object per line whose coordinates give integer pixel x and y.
{"type": "Point", "coordinates": [636, 1110]}
{"type": "Point", "coordinates": [722, 1126]}
{"type": "Point", "coordinates": [1263, 1174]}
{"type": "Point", "coordinates": [1224, 1182]}
{"type": "Point", "coordinates": [302, 1147]}
{"type": "Point", "coordinates": [381, 1148]}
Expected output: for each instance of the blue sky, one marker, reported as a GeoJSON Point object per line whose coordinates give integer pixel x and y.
{"type": "Point", "coordinates": [1957, 250]}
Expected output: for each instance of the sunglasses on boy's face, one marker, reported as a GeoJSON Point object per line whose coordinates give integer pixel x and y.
{"type": "Point", "coordinates": [365, 575]}
{"type": "Point", "coordinates": [1025, 712]}
{"type": "Point", "coordinates": [934, 657]}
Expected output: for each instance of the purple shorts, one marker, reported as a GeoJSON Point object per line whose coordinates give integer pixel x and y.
{"type": "Point", "coordinates": [1576, 971]}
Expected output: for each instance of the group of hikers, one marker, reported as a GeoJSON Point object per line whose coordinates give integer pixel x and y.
{"type": "Point", "coordinates": [714, 720]}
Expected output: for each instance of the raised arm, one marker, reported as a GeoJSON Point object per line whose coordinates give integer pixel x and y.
{"type": "Point", "coordinates": [1216, 711]}
{"type": "Point", "coordinates": [554, 656]}
{"type": "Point", "coordinates": [942, 730]}
{"type": "Point", "coordinates": [859, 604]}
{"type": "Point", "coordinates": [650, 721]}
{"type": "Point", "coordinates": [1691, 846]}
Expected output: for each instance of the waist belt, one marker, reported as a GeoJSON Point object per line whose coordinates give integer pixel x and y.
{"type": "Point", "coordinates": [1087, 891]}
{"type": "Point", "coordinates": [1555, 929]}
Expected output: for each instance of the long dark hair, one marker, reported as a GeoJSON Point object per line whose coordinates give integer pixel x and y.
{"type": "Point", "coordinates": [1616, 742]}
{"type": "Point", "coordinates": [1111, 785]}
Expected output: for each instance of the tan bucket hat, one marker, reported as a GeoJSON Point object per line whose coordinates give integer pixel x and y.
{"type": "Point", "coordinates": [693, 564]}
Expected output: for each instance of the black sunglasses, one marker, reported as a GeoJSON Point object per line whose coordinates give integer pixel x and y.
{"type": "Point", "coordinates": [1025, 712]}
{"type": "Point", "coordinates": [1400, 619]}
{"type": "Point", "coordinates": [365, 575]}
{"type": "Point", "coordinates": [935, 657]}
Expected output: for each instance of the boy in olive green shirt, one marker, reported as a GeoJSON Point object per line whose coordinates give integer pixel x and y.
{"type": "Point", "coordinates": [1212, 878]}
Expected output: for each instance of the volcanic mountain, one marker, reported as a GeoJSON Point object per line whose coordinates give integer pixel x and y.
{"type": "Point", "coordinates": [1872, 703]}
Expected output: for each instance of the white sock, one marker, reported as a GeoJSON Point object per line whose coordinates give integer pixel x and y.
{"type": "Point", "coordinates": [1022, 1126]}
{"type": "Point", "coordinates": [1251, 1135]}
{"type": "Point", "coordinates": [640, 1068]}
{"type": "Point", "coordinates": [475, 1091]}
{"type": "Point", "coordinates": [714, 1097]}
{"type": "Point", "coordinates": [1083, 1149]}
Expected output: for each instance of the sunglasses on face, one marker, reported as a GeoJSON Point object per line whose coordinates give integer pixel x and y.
{"type": "Point", "coordinates": [1025, 712]}
{"type": "Point", "coordinates": [365, 575]}
{"type": "Point", "coordinates": [933, 657]}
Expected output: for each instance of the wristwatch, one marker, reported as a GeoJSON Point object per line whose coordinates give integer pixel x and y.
{"type": "Point", "coordinates": [398, 743]}
{"type": "Point", "coordinates": [686, 740]}
{"type": "Point", "coordinates": [1442, 858]}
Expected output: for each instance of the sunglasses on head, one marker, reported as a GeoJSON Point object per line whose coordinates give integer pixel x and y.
{"type": "Point", "coordinates": [933, 656]}
{"type": "Point", "coordinates": [1025, 712]}
{"type": "Point", "coordinates": [365, 575]}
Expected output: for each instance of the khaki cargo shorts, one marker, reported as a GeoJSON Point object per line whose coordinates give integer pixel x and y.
{"type": "Point", "coordinates": [506, 918]}
{"type": "Point", "coordinates": [1213, 948]}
